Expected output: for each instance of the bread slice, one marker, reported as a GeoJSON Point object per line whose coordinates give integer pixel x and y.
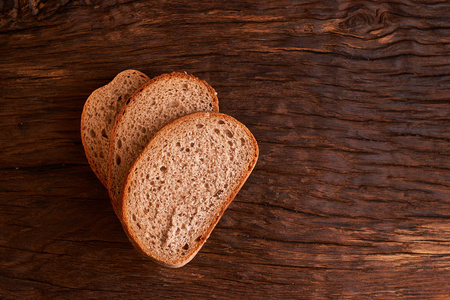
{"type": "Point", "coordinates": [98, 117]}
{"type": "Point", "coordinates": [182, 182]}
{"type": "Point", "coordinates": [160, 101]}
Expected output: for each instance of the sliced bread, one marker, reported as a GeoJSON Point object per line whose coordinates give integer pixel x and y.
{"type": "Point", "coordinates": [98, 117]}
{"type": "Point", "coordinates": [160, 101]}
{"type": "Point", "coordinates": [182, 182]}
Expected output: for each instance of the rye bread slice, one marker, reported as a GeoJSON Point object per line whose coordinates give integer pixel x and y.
{"type": "Point", "coordinates": [98, 117]}
{"type": "Point", "coordinates": [182, 182]}
{"type": "Point", "coordinates": [160, 101]}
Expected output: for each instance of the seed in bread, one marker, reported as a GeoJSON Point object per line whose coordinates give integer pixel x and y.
{"type": "Point", "coordinates": [182, 182]}
{"type": "Point", "coordinates": [98, 117]}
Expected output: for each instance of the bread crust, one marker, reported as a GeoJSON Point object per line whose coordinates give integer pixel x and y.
{"type": "Point", "coordinates": [242, 180]}
{"type": "Point", "coordinates": [117, 204]}
{"type": "Point", "coordinates": [92, 96]}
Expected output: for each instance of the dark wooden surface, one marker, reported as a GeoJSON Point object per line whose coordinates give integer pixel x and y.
{"type": "Point", "coordinates": [350, 104]}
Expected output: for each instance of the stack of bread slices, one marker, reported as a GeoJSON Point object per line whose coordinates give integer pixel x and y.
{"type": "Point", "coordinates": [170, 161]}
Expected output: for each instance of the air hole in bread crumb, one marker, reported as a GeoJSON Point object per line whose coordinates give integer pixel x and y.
{"type": "Point", "coordinates": [199, 126]}
{"type": "Point", "coordinates": [138, 225]}
{"type": "Point", "coordinates": [178, 231]}
{"type": "Point", "coordinates": [221, 122]}
{"type": "Point", "coordinates": [101, 155]}
{"type": "Point", "coordinates": [118, 160]}
{"type": "Point", "coordinates": [134, 217]}
{"type": "Point", "coordinates": [163, 169]}
{"type": "Point", "coordinates": [95, 154]}
{"type": "Point", "coordinates": [104, 133]}
{"type": "Point", "coordinates": [242, 141]}
{"type": "Point", "coordinates": [217, 131]}
{"type": "Point", "coordinates": [206, 185]}
{"type": "Point", "coordinates": [143, 129]}
{"type": "Point", "coordinates": [228, 133]}
{"type": "Point", "coordinates": [192, 144]}
{"type": "Point", "coordinates": [119, 144]}
{"type": "Point", "coordinates": [198, 239]}
{"type": "Point", "coordinates": [230, 143]}
{"type": "Point", "coordinates": [178, 144]}
{"type": "Point", "coordinates": [218, 193]}
{"type": "Point", "coordinates": [187, 150]}
{"type": "Point", "coordinates": [186, 247]}
{"type": "Point", "coordinates": [92, 133]}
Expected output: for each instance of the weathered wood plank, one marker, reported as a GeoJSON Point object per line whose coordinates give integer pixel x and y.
{"type": "Point", "coordinates": [350, 104]}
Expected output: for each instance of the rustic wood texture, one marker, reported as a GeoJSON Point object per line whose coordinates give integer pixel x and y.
{"type": "Point", "coordinates": [350, 104]}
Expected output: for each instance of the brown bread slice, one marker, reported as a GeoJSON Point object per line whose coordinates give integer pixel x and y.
{"type": "Point", "coordinates": [98, 117]}
{"type": "Point", "coordinates": [182, 182]}
{"type": "Point", "coordinates": [160, 101]}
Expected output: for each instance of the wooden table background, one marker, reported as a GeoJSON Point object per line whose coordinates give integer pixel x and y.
{"type": "Point", "coordinates": [350, 104]}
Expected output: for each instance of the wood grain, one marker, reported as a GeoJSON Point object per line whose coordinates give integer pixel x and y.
{"type": "Point", "coordinates": [350, 104]}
